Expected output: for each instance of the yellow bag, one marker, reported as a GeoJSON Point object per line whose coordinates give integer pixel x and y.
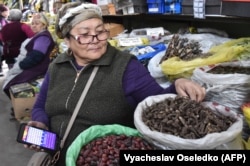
{"type": "Point", "coordinates": [225, 52]}
{"type": "Point", "coordinates": [247, 144]}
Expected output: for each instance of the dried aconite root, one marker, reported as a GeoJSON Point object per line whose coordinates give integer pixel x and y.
{"type": "Point", "coordinates": [184, 49]}
{"type": "Point", "coordinates": [184, 118]}
{"type": "Point", "coordinates": [229, 70]}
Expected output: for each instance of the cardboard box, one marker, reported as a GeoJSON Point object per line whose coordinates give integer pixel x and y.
{"type": "Point", "coordinates": [22, 106]}
{"type": "Point", "coordinates": [114, 28]}
{"type": "Point", "coordinates": [108, 9]}
{"type": "Point", "coordinates": [105, 9]}
{"type": "Point", "coordinates": [236, 8]}
{"type": "Point", "coordinates": [22, 90]}
{"type": "Point", "coordinates": [22, 98]}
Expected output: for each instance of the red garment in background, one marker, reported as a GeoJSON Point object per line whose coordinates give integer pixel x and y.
{"type": "Point", "coordinates": [12, 35]}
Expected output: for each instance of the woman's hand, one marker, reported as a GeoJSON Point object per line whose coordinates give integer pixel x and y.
{"type": "Point", "coordinates": [194, 91]}
{"type": "Point", "coordinates": [39, 125]}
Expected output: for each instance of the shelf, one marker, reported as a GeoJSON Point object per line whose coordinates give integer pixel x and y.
{"type": "Point", "coordinates": [235, 26]}
{"type": "Point", "coordinates": [176, 17]}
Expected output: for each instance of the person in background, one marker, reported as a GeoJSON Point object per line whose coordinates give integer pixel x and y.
{"type": "Point", "coordinates": [4, 13]}
{"type": "Point", "coordinates": [36, 60]}
{"type": "Point", "coordinates": [12, 35]}
{"type": "Point", "coordinates": [119, 85]}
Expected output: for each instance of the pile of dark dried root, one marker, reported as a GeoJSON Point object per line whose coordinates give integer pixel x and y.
{"type": "Point", "coordinates": [184, 118]}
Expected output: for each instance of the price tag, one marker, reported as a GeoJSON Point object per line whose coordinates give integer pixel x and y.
{"type": "Point", "coordinates": [146, 50]}
{"type": "Point", "coordinates": [155, 31]}
{"type": "Point", "coordinates": [132, 41]}
{"type": "Point", "coordinates": [199, 9]}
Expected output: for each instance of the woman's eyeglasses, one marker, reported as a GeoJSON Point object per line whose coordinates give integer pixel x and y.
{"type": "Point", "coordinates": [87, 39]}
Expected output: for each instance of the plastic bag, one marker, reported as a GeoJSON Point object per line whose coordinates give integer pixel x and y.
{"type": "Point", "coordinates": [246, 112]}
{"type": "Point", "coordinates": [228, 51]}
{"type": "Point", "coordinates": [156, 72]}
{"type": "Point", "coordinates": [230, 139]}
{"type": "Point", "coordinates": [231, 90]}
{"type": "Point", "coordinates": [202, 76]}
{"type": "Point", "coordinates": [92, 133]}
{"type": "Point", "coordinates": [175, 65]}
{"type": "Point", "coordinates": [240, 47]}
{"type": "Point", "coordinates": [247, 144]}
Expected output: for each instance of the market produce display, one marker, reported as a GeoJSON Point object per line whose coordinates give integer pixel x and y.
{"type": "Point", "coordinates": [105, 150]}
{"type": "Point", "coordinates": [232, 50]}
{"type": "Point", "coordinates": [226, 83]}
{"type": "Point", "coordinates": [184, 49]}
{"type": "Point", "coordinates": [229, 70]}
{"type": "Point", "coordinates": [101, 144]}
{"type": "Point", "coordinates": [171, 122]}
{"type": "Point", "coordinates": [185, 118]}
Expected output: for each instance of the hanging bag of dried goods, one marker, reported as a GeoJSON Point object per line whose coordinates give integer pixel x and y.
{"type": "Point", "coordinates": [226, 83]}
{"type": "Point", "coordinates": [91, 144]}
{"type": "Point", "coordinates": [176, 66]}
{"type": "Point", "coordinates": [172, 122]}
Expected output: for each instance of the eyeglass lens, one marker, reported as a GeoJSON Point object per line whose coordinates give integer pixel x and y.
{"type": "Point", "coordinates": [90, 38]}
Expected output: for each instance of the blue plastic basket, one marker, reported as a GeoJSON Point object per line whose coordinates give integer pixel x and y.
{"type": "Point", "coordinates": [156, 6]}
{"type": "Point", "coordinates": [173, 8]}
{"type": "Point", "coordinates": [157, 47]}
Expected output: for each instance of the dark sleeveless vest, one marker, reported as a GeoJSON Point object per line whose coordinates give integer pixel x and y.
{"type": "Point", "coordinates": [29, 46]}
{"type": "Point", "coordinates": [105, 102]}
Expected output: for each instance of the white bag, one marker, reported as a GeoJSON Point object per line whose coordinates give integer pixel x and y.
{"type": "Point", "coordinates": [231, 90]}
{"type": "Point", "coordinates": [230, 139]}
{"type": "Point", "coordinates": [156, 72]}
{"type": "Point", "coordinates": [202, 76]}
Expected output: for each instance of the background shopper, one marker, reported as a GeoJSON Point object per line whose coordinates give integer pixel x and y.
{"type": "Point", "coordinates": [4, 13]}
{"type": "Point", "coordinates": [12, 36]}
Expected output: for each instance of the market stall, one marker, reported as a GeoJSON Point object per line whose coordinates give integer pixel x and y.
{"type": "Point", "coordinates": [190, 52]}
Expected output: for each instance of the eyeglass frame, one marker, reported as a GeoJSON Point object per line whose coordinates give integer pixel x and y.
{"type": "Point", "coordinates": [76, 37]}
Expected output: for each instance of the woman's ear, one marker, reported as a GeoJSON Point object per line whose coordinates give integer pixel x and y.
{"type": "Point", "coordinates": [45, 27]}
{"type": "Point", "coordinates": [66, 41]}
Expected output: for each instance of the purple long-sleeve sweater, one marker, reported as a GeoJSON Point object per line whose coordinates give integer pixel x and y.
{"type": "Point", "coordinates": [137, 84]}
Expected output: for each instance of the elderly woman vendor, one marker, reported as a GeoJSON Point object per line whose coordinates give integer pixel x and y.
{"type": "Point", "coordinates": [33, 60]}
{"type": "Point", "coordinates": [119, 85]}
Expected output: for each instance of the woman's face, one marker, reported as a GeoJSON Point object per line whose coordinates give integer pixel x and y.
{"type": "Point", "coordinates": [91, 48]}
{"type": "Point", "coordinates": [5, 14]}
{"type": "Point", "coordinates": [37, 26]}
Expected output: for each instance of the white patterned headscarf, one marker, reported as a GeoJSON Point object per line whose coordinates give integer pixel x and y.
{"type": "Point", "coordinates": [73, 13]}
